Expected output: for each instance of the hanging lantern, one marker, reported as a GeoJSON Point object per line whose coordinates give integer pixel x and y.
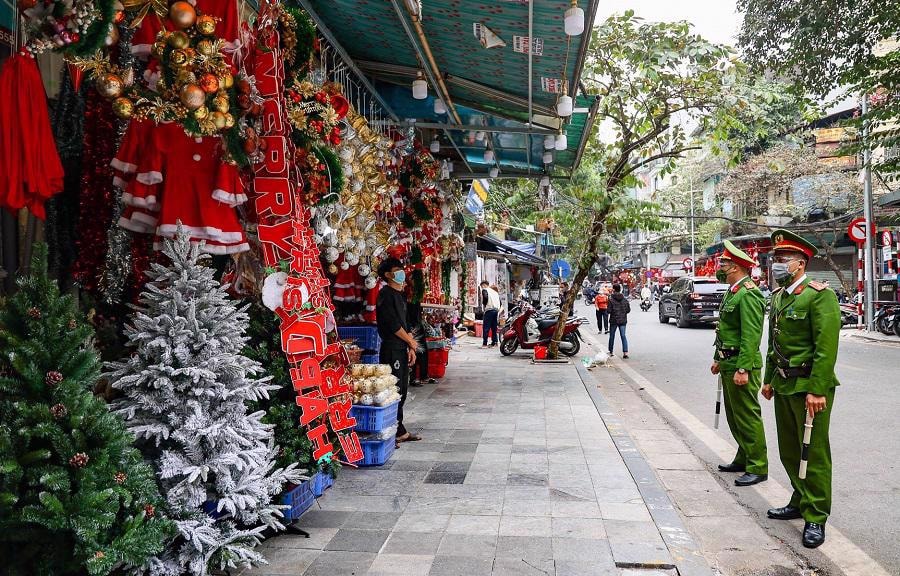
{"type": "Point", "coordinates": [549, 142]}
{"type": "Point", "coordinates": [548, 157]}
{"type": "Point", "coordinates": [435, 146]}
{"type": "Point", "coordinates": [562, 142]}
{"type": "Point", "coordinates": [574, 20]}
{"type": "Point", "coordinates": [494, 172]}
{"type": "Point", "coordinates": [488, 156]}
{"type": "Point", "coordinates": [439, 107]}
{"type": "Point", "coordinates": [419, 87]}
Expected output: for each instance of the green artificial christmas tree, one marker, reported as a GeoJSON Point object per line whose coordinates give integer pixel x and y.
{"type": "Point", "coordinates": [75, 496]}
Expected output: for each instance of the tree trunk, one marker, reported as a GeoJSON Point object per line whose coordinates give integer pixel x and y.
{"type": "Point", "coordinates": [828, 256]}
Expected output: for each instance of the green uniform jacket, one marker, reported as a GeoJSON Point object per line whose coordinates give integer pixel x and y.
{"type": "Point", "coordinates": [740, 326]}
{"type": "Point", "coordinates": [804, 328]}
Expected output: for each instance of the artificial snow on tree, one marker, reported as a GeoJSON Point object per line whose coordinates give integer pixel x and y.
{"type": "Point", "coordinates": [185, 390]}
{"type": "Point", "coordinates": [75, 495]}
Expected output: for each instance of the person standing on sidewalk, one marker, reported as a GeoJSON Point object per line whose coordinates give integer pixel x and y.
{"type": "Point", "coordinates": [490, 301]}
{"type": "Point", "coordinates": [804, 329]}
{"type": "Point", "coordinates": [601, 301]}
{"type": "Point", "coordinates": [398, 347]}
{"type": "Point", "coordinates": [737, 361]}
{"type": "Point", "coordinates": [619, 308]}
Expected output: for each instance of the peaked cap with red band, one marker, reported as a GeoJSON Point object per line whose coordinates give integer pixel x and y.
{"type": "Point", "coordinates": [785, 240]}
{"type": "Point", "coordinates": [737, 256]}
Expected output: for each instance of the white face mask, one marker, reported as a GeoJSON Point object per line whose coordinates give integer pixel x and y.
{"type": "Point", "coordinates": [781, 271]}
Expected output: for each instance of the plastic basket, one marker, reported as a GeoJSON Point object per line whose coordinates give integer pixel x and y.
{"type": "Point", "coordinates": [436, 370]}
{"type": "Point", "coordinates": [377, 453]}
{"type": "Point", "coordinates": [321, 482]}
{"type": "Point", "coordinates": [374, 418]}
{"type": "Point", "coordinates": [439, 356]}
{"type": "Point", "coordinates": [209, 507]}
{"type": "Point", "coordinates": [540, 352]}
{"type": "Point", "coordinates": [366, 337]}
{"type": "Point", "coordinates": [368, 359]}
{"type": "Point", "coordinates": [436, 343]}
{"type": "Point", "coordinates": [298, 500]}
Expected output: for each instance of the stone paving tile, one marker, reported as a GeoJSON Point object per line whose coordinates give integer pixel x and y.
{"type": "Point", "coordinates": [422, 522]}
{"type": "Point", "coordinates": [412, 543]}
{"type": "Point", "coordinates": [400, 565]}
{"type": "Point", "coordinates": [481, 546]}
{"type": "Point", "coordinates": [625, 511]}
{"type": "Point", "coordinates": [324, 519]}
{"type": "Point", "coordinates": [590, 528]}
{"type": "Point", "coordinates": [489, 506]}
{"type": "Point", "coordinates": [582, 568]}
{"type": "Point", "coordinates": [445, 565]}
{"type": "Point", "coordinates": [332, 563]}
{"type": "Point", "coordinates": [373, 520]}
{"type": "Point", "coordinates": [473, 525]}
{"type": "Point", "coordinates": [284, 562]}
{"type": "Point", "coordinates": [352, 540]}
{"type": "Point", "coordinates": [532, 548]}
{"type": "Point", "coordinates": [318, 538]}
{"type": "Point", "coordinates": [522, 567]}
{"type": "Point", "coordinates": [525, 526]}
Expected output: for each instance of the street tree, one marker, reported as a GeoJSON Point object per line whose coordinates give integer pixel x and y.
{"type": "Point", "coordinates": [654, 81]}
{"type": "Point", "coordinates": [833, 48]}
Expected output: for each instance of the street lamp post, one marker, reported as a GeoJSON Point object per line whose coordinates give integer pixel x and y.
{"type": "Point", "coordinates": [693, 255]}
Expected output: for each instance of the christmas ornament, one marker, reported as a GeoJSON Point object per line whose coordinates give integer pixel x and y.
{"type": "Point", "coordinates": [79, 460]}
{"type": "Point", "coordinates": [72, 27]}
{"type": "Point", "coordinates": [120, 477]}
{"type": "Point", "coordinates": [182, 14]}
{"type": "Point", "coordinates": [210, 83]}
{"type": "Point", "coordinates": [206, 25]}
{"type": "Point", "coordinates": [34, 312]}
{"type": "Point", "coordinates": [123, 107]}
{"type": "Point", "coordinates": [181, 40]}
{"type": "Point", "coordinates": [150, 510]}
{"type": "Point", "coordinates": [193, 97]}
{"type": "Point", "coordinates": [109, 85]}
{"type": "Point", "coordinates": [58, 411]}
{"type": "Point", "coordinates": [53, 378]}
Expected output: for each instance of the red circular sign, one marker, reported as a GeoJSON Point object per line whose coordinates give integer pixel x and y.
{"type": "Point", "coordinates": [857, 230]}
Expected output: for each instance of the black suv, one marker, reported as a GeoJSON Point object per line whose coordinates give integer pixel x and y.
{"type": "Point", "coordinates": [692, 299]}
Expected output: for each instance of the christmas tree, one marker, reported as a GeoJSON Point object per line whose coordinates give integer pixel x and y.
{"type": "Point", "coordinates": [75, 495]}
{"type": "Point", "coordinates": [186, 390]}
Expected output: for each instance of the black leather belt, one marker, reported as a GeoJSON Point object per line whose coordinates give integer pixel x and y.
{"type": "Point", "coordinates": [726, 354]}
{"type": "Point", "coordinates": [794, 372]}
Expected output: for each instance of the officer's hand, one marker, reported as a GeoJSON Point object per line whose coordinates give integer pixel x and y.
{"type": "Point", "coordinates": [741, 379]}
{"type": "Point", "coordinates": [815, 404]}
{"type": "Point", "coordinates": [714, 368]}
{"type": "Point", "coordinates": [767, 391]}
{"type": "Point", "coordinates": [411, 356]}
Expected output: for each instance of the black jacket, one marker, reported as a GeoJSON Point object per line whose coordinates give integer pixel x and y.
{"type": "Point", "coordinates": [618, 309]}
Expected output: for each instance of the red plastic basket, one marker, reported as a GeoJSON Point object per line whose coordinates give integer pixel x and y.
{"type": "Point", "coordinates": [540, 352]}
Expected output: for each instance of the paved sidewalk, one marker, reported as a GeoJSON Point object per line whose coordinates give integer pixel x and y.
{"type": "Point", "coordinates": [516, 475]}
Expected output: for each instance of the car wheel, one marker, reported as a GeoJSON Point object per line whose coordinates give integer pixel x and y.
{"type": "Point", "coordinates": [682, 320]}
{"type": "Point", "coordinates": [663, 319]}
{"type": "Point", "coordinates": [509, 345]}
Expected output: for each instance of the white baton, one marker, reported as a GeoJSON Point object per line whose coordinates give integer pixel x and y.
{"type": "Point", "coordinates": [804, 451]}
{"type": "Point", "coordinates": [718, 402]}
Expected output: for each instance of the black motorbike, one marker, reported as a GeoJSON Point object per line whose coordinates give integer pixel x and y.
{"type": "Point", "coordinates": [646, 304]}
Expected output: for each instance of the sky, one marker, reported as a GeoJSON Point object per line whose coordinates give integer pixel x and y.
{"type": "Point", "coordinates": [716, 20]}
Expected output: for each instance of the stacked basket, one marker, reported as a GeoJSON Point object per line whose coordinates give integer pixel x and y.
{"type": "Point", "coordinates": [376, 425]}
{"type": "Point", "coordinates": [366, 337]}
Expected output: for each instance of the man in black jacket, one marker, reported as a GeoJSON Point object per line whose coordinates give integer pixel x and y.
{"type": "Point", "coordinates": [619, 309]}
{"type": "Point", "coordinates": [398, 347]}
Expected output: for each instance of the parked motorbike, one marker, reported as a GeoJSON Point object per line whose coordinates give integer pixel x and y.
{"type": "Point", "coordinates": [848, 315]}
{"type": "Point", "coordinates": [646, 304]}
{"type": "Point", "coordinates": [886, 320]}
{"type": "Point", "coordinates": [589, 294]}
{"type": "Point", "coordinates": [530, 328]}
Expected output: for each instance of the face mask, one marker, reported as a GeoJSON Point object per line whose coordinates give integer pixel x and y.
{"type": "Point", "coordinates": [399, 276]}
{"type": "Point", "coordinates": [721, 275]}
{"type": "Point", "coordinates": [781, 271]}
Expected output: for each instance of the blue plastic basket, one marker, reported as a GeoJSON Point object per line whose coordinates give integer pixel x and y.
{"type": "Point", "coordinates": [374, 418]}
{"type": "Point", "coordinates": [368, 359]}
{"type": "Point", "coordinates": [366, 337]}
{"type": "Point", "coordinates": [210, 508]}
{"type": "Point", "coordinates": [378, 452]}
{"type": "Point", "coordinates": [321, 482]}
{"type": "Point", "coordinates": [298, 499]}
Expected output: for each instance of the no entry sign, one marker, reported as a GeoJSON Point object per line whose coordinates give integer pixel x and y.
{"type": "Point", "coordinates": [857, 230]}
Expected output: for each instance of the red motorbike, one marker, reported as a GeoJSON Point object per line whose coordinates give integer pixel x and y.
{"type": "Point", "coordinates": [528, 329]}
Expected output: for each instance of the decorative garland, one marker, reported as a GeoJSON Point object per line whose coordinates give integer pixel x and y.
{"type": "Point", "coordinates": [70, 27]}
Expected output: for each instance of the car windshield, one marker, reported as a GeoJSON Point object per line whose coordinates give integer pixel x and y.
{"type": "Point", "coordinates": [702, 287]}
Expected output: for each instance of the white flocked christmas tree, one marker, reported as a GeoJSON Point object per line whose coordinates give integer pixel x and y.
{"type": "Point", "coordinates": [185, 393]}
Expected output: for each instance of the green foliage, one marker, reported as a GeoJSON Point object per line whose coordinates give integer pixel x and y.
{"type": "Point", "coordinates": [73, 490]}
{"type": "Point", "coordinates": [329, 158]}
{"type": "Point", "coordinates": [823, 45]}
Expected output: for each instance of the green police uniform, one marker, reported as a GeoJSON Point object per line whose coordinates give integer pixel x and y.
{"type": "Point", "coordinates": [804, 328]}
{"type": "Point", "coordinates": [737, 346]}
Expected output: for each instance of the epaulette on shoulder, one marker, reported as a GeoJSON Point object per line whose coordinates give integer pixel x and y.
{"type": "Point", "coordinates": [817, 286]}
{"type": "Point", "coordinates": [749, 284]}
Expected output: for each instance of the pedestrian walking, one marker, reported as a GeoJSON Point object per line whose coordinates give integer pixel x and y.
{"type": "Point", "coordinates": [737, 361]}
{"type": "Point", "coordinates": [804, 329]}
{"type": "Point", "coordinates": [398, 347]}
{"type": "Point", "coordinates": [421, 331]}
{"type": "Point", "coordinates": [619, 308]}
{"type": "Point", "coordinates": [490, 302]}
{"type": "Point", "coordinates": [601, 301]}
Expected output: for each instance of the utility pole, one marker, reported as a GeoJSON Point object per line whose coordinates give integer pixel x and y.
{"type": "Point", "coordinates": [868, 213]}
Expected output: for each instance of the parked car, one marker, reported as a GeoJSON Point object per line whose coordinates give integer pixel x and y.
{"type": "Point", "coordinates": [692, 300]}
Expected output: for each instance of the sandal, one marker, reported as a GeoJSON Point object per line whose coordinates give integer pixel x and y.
{"type": "Point", "coordinates": [408, 437]}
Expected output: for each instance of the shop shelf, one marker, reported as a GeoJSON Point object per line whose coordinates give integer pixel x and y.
{"type": "Point", "coordinates": [374, 418]}
{"type": "Point", "coordinates": [298, 499]}
{"type": "Point", "coordinates": [378, 452]}
{"type": "Point", "coordinates": [366, 337]}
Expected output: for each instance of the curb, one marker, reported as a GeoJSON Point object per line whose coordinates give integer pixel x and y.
{"type": "Point", "coordinates": [689, 559]}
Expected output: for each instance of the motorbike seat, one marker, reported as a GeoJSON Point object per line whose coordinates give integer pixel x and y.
{"type": "Point", "coordinates": [545, 323]}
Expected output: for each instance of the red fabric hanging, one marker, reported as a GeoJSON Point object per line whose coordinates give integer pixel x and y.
{"type": "Point", "coordinates": [30, 168]}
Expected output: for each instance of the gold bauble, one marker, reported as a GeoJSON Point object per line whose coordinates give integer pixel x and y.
{"type": "Point", "coordinates": [110, 85]}
{"type": "Point", "coordinates": [207, 126]}
{"type": "Point", "coordinates": [209, 83]}
{"type": "Point", "coordinates": [332, 269]}
{"type": "Point", "coordinates": [123, 107]}
{"type": "Point", "coordinates": [192, 96]}
{"type": "Point", "coordinates": [178, 58]}
{"type": "Point", "coordinates": [206, 25]}
{"type": "Point", "coordinates": [220, 103]}
{"type": "Point", "coordinates": [227, 80]}
{"type": "Point", "coordinates": [113, 37]}
{"type": "Point", "coordinates": [178, 39]}
{"type": "Point", "coordinates": [229, 121]}
{"type": "Point", "coordinates": [206, 47]}
{"type": "Point", "coordinates": [201, 113]}
{"type": "Point", "coordinates": [158, 49]}
{"type": "Point", "coordinates": [182, 14]}
{"type": "Point", "coordinates": [218, 119]}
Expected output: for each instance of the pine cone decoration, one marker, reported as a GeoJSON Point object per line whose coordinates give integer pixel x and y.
{"type": "Point", "coordinates": [99, 555]}
{"type": "Point", "coordinates": [149, 510]}
{"type": "Point", "coordinates": [120, 477]}
{"type": "Point", "coordinates": [72, 324]}
{"type": "Point", "coordinates": [58, 411]}
{"type": "Point", "coordinates": [34, 312]}
{"type": "Point", "coordinates": [53, 378]}
{"type": "Point", "coordinates": [79, 460]}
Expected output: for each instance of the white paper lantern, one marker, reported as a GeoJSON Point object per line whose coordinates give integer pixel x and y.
{"type": "Point", "coordinates": [549, 142]}
{"type": "Point", "coordinates": [439, 107]}
{"type": "Point", "coordinates": [548, 157]}
{"type": "Point", "coordinates": [494, 172]}
{"type": "Point", "coordinates": [419, 87]}
{"type": "Point", "coordinates": [564, 106]}
{"type": "Point", "coordinates": [562, 142]}
{"type": "Point", "coordinates": [574, 20]}
{"type": "Point", "coordinates": [435, 146]}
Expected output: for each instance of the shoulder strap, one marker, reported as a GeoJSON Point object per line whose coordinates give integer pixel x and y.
{"type": "Point", "coordinates": [817, 286]}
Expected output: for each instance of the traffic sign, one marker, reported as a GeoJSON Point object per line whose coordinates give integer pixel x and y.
{"type": "Point", "coordinates": [886, 238]}
{"type": "Point", "coordinates": [857, 230]}
{"type": "Point", "coordinates": [687, 264]}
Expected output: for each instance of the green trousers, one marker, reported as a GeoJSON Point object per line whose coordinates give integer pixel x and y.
{"type": "Point", "coordinates": [745, 421]}
{"type": "Point", "coordinates": [812, 495]}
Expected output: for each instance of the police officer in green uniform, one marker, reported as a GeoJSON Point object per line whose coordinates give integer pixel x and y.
{"type": "Point", "coordinates": [738, 362]}
{"type": "Point", "coordinates": [804, 327]}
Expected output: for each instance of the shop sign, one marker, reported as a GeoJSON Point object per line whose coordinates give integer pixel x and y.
{"type": "Point", "coordinates": [323, 393]}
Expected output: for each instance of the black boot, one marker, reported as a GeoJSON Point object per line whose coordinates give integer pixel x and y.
{"type": "Point", "coordinates": [750, 479]}
{"type": "Point", "coordinates": [786, 513]}
{"type": "Point", "coordinates": [813, 535]}
{"type": "Point", "coordinates": [733, 467]}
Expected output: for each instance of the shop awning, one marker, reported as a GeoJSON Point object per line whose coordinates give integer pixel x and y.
{"type": "Point", "coordinates": [503, 91]}
{"type": "Point", "coordinates": [507, 248]}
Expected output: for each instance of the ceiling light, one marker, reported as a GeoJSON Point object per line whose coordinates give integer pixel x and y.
{"type": "Point", "coordinates": [564, 105]}
{"type": "Point", "coordinates": [548, 157]}
{"type": "Point", "coordinates": [435, 145]}
{"type": "Point", "coordinates": [574, 22]}
{"type": "Point", "coordinates": [419, 87]}
{"type": "Point", "coordinates": [494, 172]}
{"type": "Point", "coordinates": [439, 107]}
{"type": "Point", "coordinates": [545, 181]}
{"type": "Point", "coordinates": [488, 156]}
{"type": "Point", "coordinates": [549, 142]}
{"type": "Point", "coordinates": [562, 142]}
